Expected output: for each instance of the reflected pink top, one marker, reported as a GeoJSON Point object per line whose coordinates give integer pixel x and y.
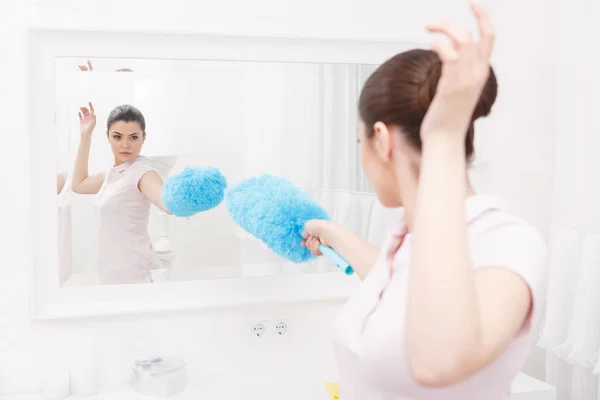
{"type": "Point", "coordinates": [125, 251]}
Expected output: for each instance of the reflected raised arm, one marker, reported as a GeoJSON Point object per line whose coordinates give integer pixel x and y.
{"type": "Point", "coordinates": [83, 183]}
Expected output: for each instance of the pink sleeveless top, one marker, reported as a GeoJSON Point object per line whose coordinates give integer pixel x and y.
{"type": "Point", "coordinates": [125, 251]}
{"type": "Point", "coordinates": [369, 331]}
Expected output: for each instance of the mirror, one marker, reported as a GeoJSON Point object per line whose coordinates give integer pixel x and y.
{"type": "Point", "coordinates": [295, 120]}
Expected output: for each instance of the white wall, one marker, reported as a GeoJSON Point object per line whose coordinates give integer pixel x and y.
{"type": "Point", "coordinates": [520, 139]}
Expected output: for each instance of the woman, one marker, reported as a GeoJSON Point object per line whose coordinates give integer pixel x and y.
{"type": "Point", "coordinates": [449, 308]}
{"type": "Point", "coordinates": [123, 196]}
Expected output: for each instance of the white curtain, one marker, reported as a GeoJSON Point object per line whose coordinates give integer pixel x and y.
{"type": "Point", "coordinates": [571, 335]}
{"type": "Point", "coordinates": [300, 123]}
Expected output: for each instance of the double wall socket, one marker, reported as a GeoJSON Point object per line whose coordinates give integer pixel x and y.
{"type": "Point", "coordinates": [277, 329]}
{"type": "Point", "coordinates": [259, 330]}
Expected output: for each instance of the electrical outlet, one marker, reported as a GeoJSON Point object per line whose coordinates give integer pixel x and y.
{"type": "Point", "coordinates": [281, 329]}
{"type": "Point", "coordinates": [258, 330]}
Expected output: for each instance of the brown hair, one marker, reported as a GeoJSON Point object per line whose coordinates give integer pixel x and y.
{"type": "Point", "coordinates": [126, 113]}
{"type": "Point", "coordinates": [400, 91]}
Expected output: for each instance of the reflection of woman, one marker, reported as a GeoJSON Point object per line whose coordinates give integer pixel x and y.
{"type": "Point", "coordinates": [450, 307]}
{"type": "Point", "coordinates": [63, 190]}
{"type": "Point", "coordinates": [90, 68]}
{"type": "Point", "coordinates": [123, 196]}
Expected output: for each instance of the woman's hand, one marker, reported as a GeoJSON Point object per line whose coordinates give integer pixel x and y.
{"type": "Point", "coordinates": [314, 235]}
{"type": "Point", "coordinates": [87, 67]}
{"type": "Point", "coordinates": [87, 120]}
{"type": "Point", "coordinates": [465, 71]}
{"type": "Point", "coordinates": [359, 253]}
{"type": "Point", "coordinates": [82, 182]}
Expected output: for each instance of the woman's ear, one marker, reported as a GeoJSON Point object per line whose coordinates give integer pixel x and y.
{"type": "Point", "coordinates": [382, 141]}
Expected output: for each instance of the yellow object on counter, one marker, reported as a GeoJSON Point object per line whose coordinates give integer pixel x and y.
{"type": "Point", "coordinates": [333, 388]}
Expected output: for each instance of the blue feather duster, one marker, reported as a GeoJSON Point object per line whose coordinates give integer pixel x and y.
{"type": "Point", "coordinates": [194, 190]}
{"type": "Point", "coordinates": [274, 210]}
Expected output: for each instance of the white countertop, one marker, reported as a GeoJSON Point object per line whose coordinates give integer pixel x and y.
{"type": "Point", "coordinates": [271, 388]}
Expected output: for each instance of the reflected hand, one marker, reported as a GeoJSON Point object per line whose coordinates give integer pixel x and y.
{"type": "Point", "coordinates": [87, 67]}
{"type": "Point", "coordinates": [465, 71]}
{"type": "Point", "coordinates": [314, 235]}
{"type": "Point", "coordinates": [87, 120]}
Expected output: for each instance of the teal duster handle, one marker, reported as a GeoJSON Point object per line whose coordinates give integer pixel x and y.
{"type": "Point", "coordinates": [334, 257]}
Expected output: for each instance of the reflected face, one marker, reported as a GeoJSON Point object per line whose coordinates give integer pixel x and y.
{"type": "Point", "coordinates": [126, 140]}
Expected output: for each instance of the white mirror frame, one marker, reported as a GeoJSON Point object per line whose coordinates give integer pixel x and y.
{"type": "Point", "coordinates": [52, 302]}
